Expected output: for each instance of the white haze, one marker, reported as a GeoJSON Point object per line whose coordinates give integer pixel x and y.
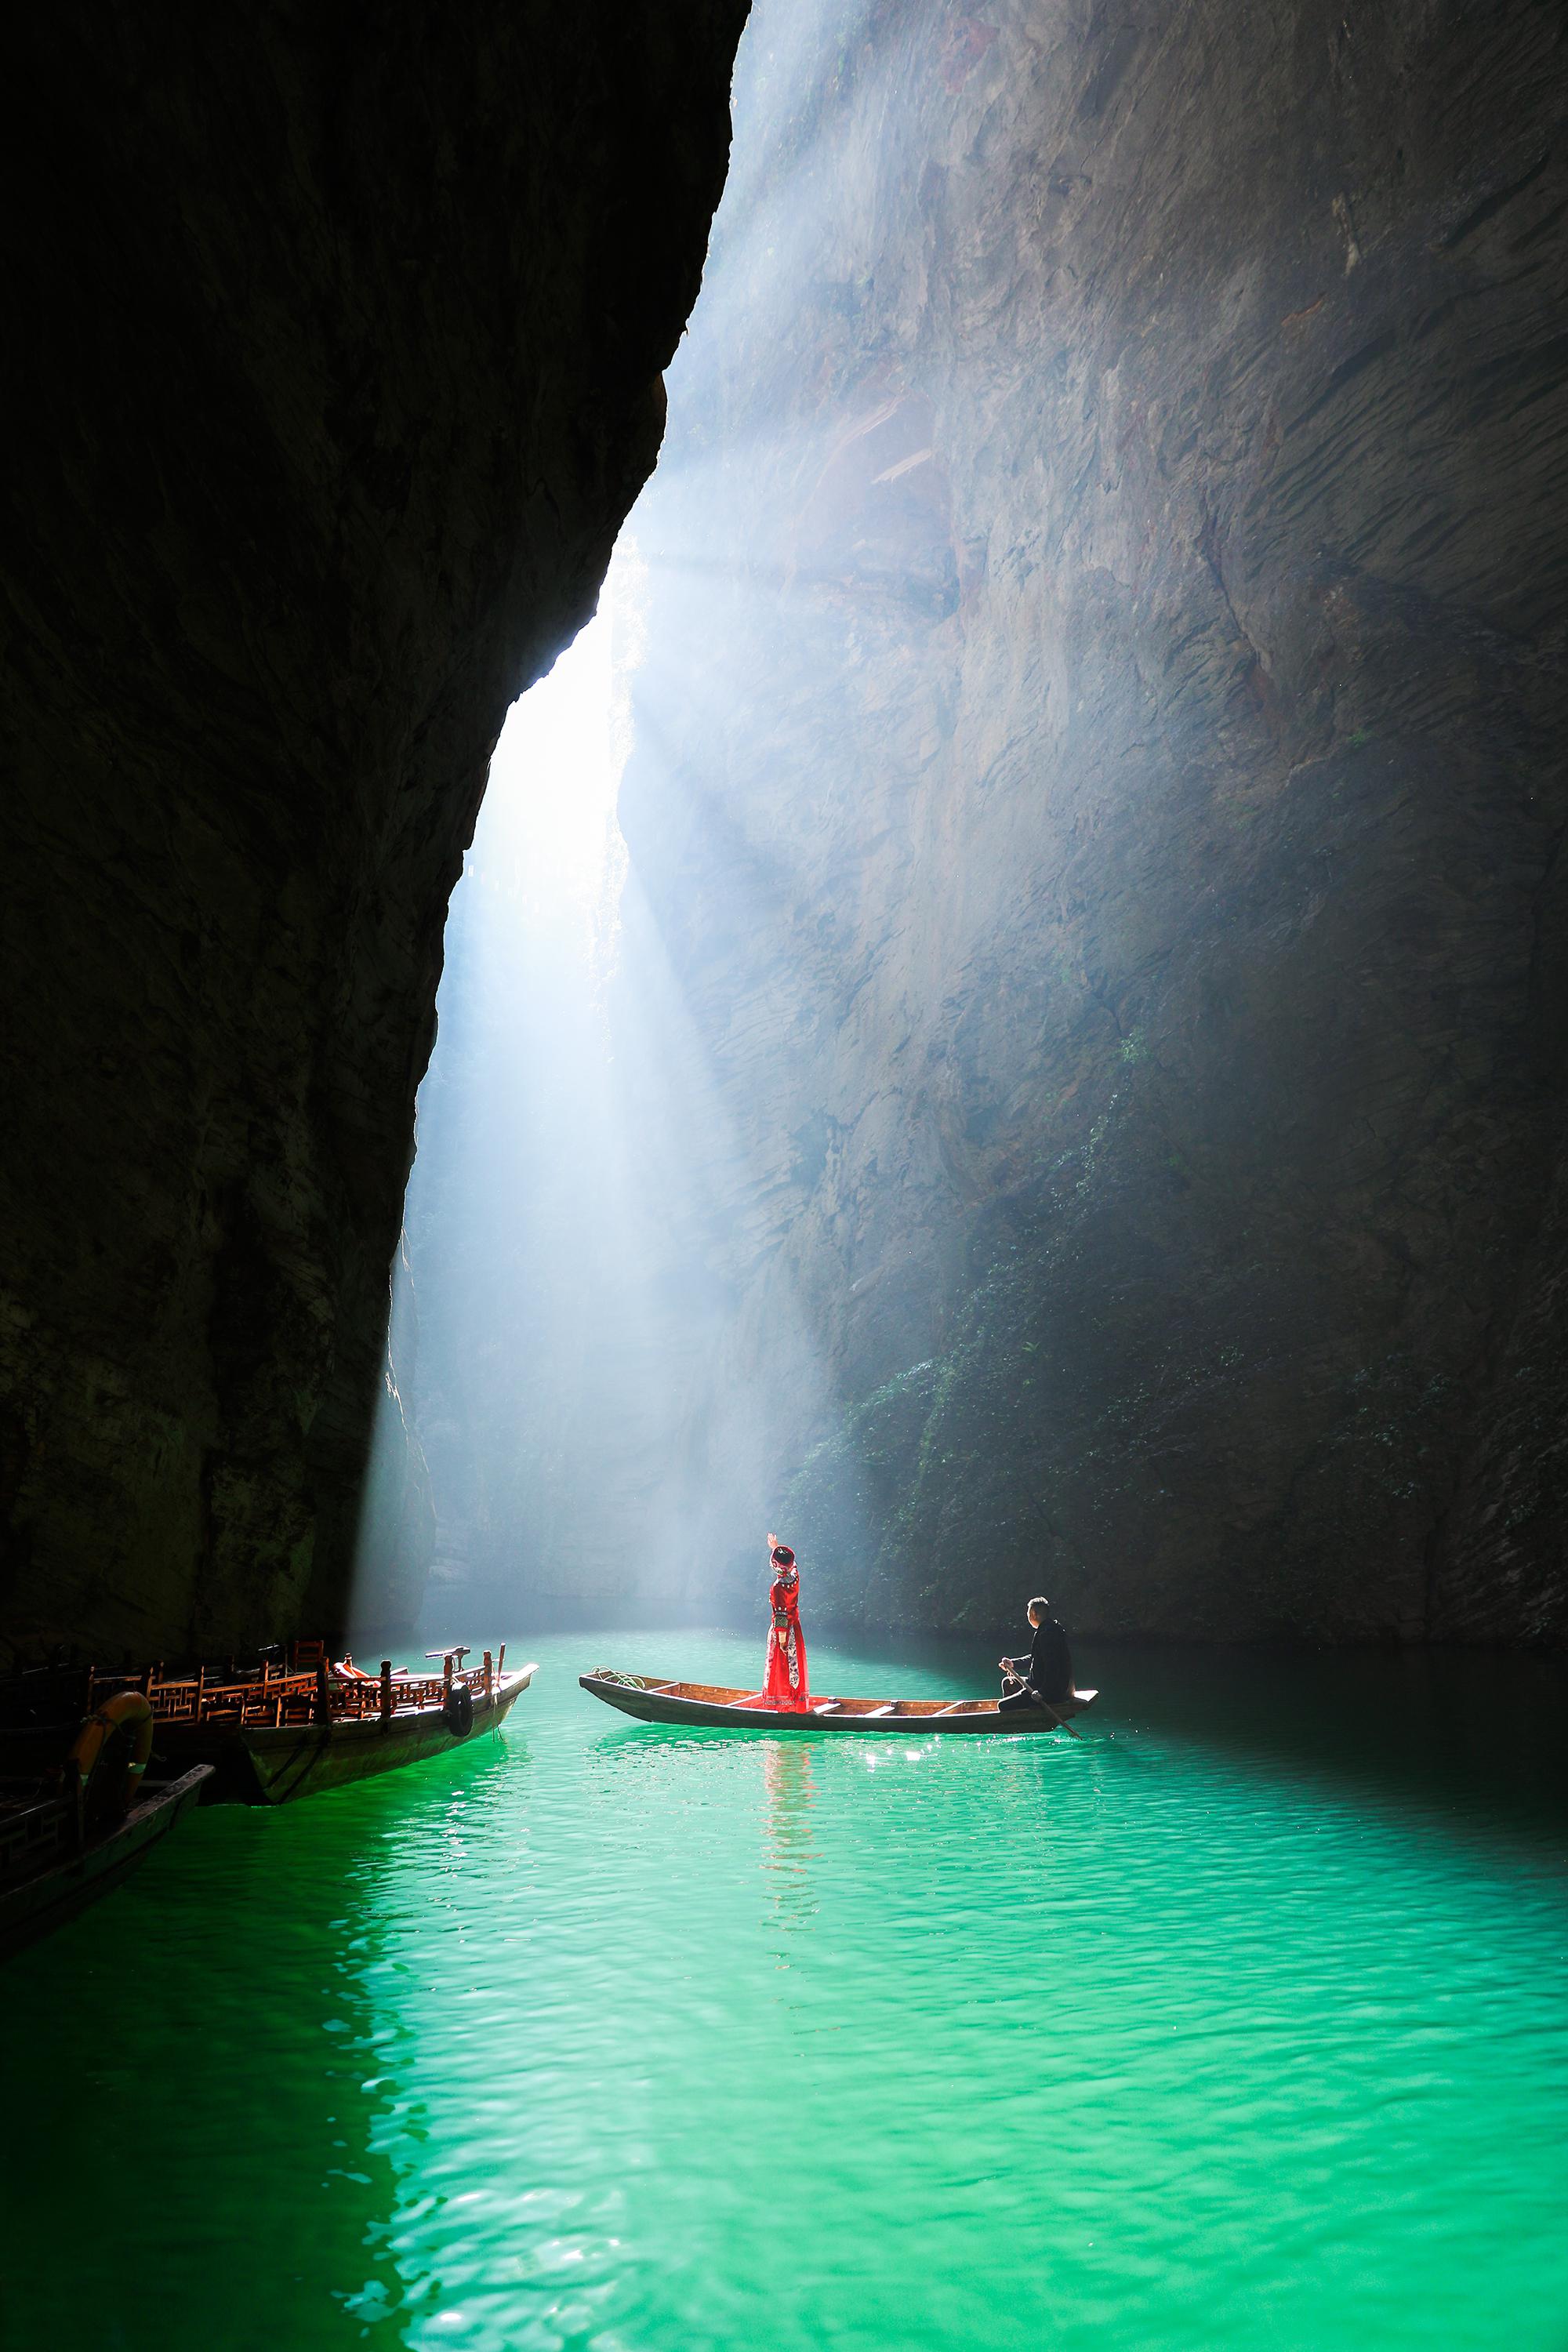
{"type": "Point", "coordinates": [577, 1212]}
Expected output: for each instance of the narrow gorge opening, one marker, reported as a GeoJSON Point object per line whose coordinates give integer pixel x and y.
{"type": "Point", "coordinates": [520, 1268]}
{"type": "Point", "coordinates": [559, 1297]}
{"type": "Point", "coordinates": [1080, 1089]}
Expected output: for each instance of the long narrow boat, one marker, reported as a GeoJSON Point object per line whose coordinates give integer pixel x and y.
{"type": "Point", "coordinates": [48, 1876]}
{"type": "Point", "coordinates": [307, 1748]}
{"type": "Point", "coordinates": [270, 1733]}
{"type": "Point", "coordinates": [718, 1708]}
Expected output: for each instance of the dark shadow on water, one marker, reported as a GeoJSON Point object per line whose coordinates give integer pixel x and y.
{"type": "Point", "coordinates": [1478, 1739]}
{"type": "Point", "coordinates": [196, 2164]}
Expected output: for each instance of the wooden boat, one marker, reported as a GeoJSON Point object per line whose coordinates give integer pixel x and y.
{"type": "Point", "coordinates": [715, 1708]}
{"type": "Point", "coordinates": [274, 1733]}
{"type": "Point", "coordinates": [282, 1743]}
{"type": "Point", "coordinates": [47, 1873]}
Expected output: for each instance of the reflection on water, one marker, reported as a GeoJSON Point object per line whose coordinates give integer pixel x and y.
{"type": "Point", "coordinates": [1238, 2022]}
{"type": "Point", "coordinates": [786, 1775]}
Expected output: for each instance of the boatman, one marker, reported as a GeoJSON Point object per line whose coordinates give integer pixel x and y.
{"type": "Point", "coordinates": [1046, 1674]}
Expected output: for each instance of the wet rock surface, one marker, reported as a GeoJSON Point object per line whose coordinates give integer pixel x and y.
{"type": "Point", "coordinates": [1123, 906]}
{"type": "Point", "coordinates": [332, 361]}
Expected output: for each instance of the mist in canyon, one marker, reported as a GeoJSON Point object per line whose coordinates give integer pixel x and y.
{"type": "Point", "coordinates": [549, 1429]}
{"type": "Point", "coordinates": [1006, 1015]}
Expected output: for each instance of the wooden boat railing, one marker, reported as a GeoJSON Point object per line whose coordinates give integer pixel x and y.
{"type": "Point", "coordinates": [33, 1830]}
{"type": "Point", "coordinates": [264, 1699]}
{"type": "Point", "coordinates": [273, 1697]}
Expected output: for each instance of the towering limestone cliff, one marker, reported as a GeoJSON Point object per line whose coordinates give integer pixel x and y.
{"type": "Point", "coordinates": [332, 353]}
{"type": "Point", "coordinates": [1111, 849]}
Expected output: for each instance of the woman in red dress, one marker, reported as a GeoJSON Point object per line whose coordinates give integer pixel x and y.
{"type": "Point", "coordinates": [785, 1686]}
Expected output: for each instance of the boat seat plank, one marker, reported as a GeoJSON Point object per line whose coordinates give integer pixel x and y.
{"type": "Point", "coordinates": [885, 1709]}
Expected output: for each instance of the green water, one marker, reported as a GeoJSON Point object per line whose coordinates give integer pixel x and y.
{"type": "Point", "coordinates": [1239, 2023]}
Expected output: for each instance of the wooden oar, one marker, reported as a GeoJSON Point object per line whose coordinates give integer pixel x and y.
{"type": "Point", "coordinates": [1059, 1720]}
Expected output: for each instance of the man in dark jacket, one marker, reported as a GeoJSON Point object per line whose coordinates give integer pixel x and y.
{"type": "Point", "coordinates": [1046, 1674]}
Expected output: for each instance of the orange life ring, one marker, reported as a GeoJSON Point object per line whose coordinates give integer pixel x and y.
{"type": "Point", "coordinates": [128, 1710]}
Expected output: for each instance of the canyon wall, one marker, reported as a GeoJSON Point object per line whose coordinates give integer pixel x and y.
{"type": "Point", "coordinates": [333, 359]}
{"type": "Point", "coordinates": [1100, 787]}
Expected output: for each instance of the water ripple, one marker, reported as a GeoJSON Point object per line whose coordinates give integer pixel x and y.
{"type": "Point", "coordinates": [608, 2039]}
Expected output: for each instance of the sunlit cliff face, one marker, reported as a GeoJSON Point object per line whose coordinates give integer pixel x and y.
{"type": "Point", "coordinates": [1078, 1075]}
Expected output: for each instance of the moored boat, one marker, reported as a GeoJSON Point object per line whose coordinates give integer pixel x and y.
{"type": "Point", "coordinates": [273, 1744]}
{"type": "Point", "coordinates": [49, 1870]}
{"type": "Point", "coordinates": [716, 1708]}
{"type": "Point", "coordinates": [272, 1733]}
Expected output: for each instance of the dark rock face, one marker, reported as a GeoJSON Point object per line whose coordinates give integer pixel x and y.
{"type": "Point", "coordinates": [332, 363]}
{"type": "Point", "coordinates": [1126, 909]}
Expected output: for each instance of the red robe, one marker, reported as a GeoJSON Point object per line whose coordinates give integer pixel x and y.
{"type": "Point", "coordinates": [785, 1685]}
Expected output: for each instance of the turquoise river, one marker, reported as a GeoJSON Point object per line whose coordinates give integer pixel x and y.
{"type": "Point", "coordinates": [1238, 2022]}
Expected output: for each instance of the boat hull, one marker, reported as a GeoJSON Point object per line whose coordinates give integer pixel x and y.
{"type": "Point", "coordinates": [273, 1764]}
{"type": "Point", "coordinates": [713, 1707]}
{"type": "Point", "coordinates": [36, 1904]}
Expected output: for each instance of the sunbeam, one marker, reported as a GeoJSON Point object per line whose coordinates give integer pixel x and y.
{"type": "Point", "coordinates": [595, 1389]}
{"type": "Point", "coordinates": [569, 1273]}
